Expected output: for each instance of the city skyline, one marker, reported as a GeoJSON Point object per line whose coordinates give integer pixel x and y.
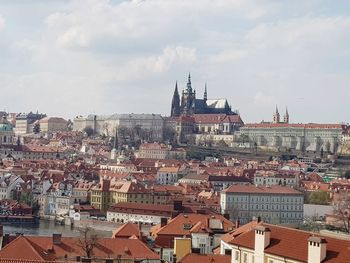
{"type": "Point", "coordinates": [69, 58]}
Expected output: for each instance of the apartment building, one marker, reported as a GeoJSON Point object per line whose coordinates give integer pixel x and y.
{"type": "Point", "coordinates": [274, 204]}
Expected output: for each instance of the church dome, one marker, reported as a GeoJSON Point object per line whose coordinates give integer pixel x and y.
{"type": "Point", "coordinates": [5, 125]}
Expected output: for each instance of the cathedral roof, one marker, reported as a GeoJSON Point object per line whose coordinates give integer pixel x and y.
{"type": "Point", "coordinates": [217, 103]}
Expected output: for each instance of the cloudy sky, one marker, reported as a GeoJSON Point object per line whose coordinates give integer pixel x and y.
{"type": "Point", "coordinates": [68, 58]}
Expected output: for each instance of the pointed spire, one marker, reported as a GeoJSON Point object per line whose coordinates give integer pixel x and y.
{"type": "Point", "coordinates": [189, 86]}
{"type": "Point", "coordinates": [276, 109]}
{"type": "Point", "coordinates": [287, 114]}
{"type": "Point", "coordinates": [205, 92]}
{"type": "Point", "coordinates": [176, 91]}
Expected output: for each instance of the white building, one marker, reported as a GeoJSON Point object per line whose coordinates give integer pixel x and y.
{"type": "Point", "coordinates": [142, 213]}
{"type": "Point", "coordinates": [153, 123]}
{"type": "Point", "coordinates": [300, 137]}
{"type": "Point", "coordinates": [8, 184]}
{"type": "Point", "coordinates": [167, 175]}
{"type": "Point", "coordinates": [274, 204]}
{"type": "Point", "coordinates": [267, 243]}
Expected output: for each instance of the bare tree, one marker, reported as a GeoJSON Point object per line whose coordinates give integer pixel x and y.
{"type": "Point", "coordinates": [342, 210]}
{"type": "Point", "coordinates": [87, 241]}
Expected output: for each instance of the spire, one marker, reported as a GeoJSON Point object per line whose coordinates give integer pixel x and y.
{"type": "Point", "coordinates": [286, 116]}
{"type": "Point", "coordinates": [175, 104]}
{"type": "Point", "coordinates": [176, 91]}
{"type": "Point", "coordinates": [189, 86]}
{"type": "Point", "coordinates": [205, 92]}
{"type": "Point", "coordinates": [276, 109]}
{"type": "Point", "coordinates": [115, 144]}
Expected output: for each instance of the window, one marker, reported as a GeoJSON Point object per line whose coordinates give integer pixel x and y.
{"type": "Point", "coordinates": [236, 255]}
{"type": "Point", "coordinates": [245, 258]}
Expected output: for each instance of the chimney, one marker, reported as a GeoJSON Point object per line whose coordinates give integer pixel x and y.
{"type": "Point", "coordinates": [56, 239]}
{"type": "Point", "coordinates": [317, 249]}
{"type": "Point", "coordinates": [237, 223]}
{"type": "Point", "coordinates": [262, 241]}
{"type": "Point", "coordinates": [163, 221]}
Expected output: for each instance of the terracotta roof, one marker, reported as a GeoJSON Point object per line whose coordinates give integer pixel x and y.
{"type": "Point", "coordinates": [191, 258]}
{"type": "Point", "coordinates": [273, 189]}
{"type": "Point", "coordinates": [283, 243]}
{"type": "Point", "coordinates": [182, 224]}
{"type": "Point", "coordinates": [42, 248]}
{"type": "Point", "coordinates": [127, 230]}
{"type": "Point", "coordinates": [295, 125]}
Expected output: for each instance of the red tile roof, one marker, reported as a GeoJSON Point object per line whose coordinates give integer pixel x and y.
{"type": "Point", "coordinates": [273, 189]}
{"type": "Point", "coordinates": [192, 258]}
{"type": "Point", "coordinates": [295, 125]}
{"type": "Point", "coordinates": [42, 248]}
{"type": "Point", "coordinates": [127, 230]}
{"type": "Point", "coordinates": [293, 244]}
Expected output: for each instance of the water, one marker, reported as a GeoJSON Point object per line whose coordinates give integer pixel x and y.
{"type": "Point", "coordinates": [47, 228]}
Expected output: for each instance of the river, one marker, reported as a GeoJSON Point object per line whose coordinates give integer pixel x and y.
{"type": "Point", "coordinates": [47, 228]}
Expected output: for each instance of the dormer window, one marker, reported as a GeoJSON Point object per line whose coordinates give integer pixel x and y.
{"type": "Point", "coordinates": [187, 226]}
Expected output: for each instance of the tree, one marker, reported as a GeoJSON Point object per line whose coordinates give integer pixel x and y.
{"type": "Point", "coordinates": [319, 198]}
{"type": "Point", "coordinates": [87, 241]}
{"type": "Point", "coordinates": [169, 135]}
{"type": "Point", "coordinates": [342, 210]}
{"type": "Point", "coordinates": [89, 131]}
{"type": "Point", "coordinates": [347, 174]}
{"type": "Point", "coordinates": [36, 128]}
{"type": "Point", "coordinates": [69, 125]}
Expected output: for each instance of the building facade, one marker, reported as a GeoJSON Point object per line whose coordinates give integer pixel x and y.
{"type": "Point", "coordinates": [274, 204]}
{"type": "Point", "coordinates": [107, 125]}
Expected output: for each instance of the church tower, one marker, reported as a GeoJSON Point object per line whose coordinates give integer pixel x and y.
{"type": "Point", "coordinates": [205, 97]}
{"type": "Point", "coordinates": [276, 116]}
{"type": "Point", "coordinates": [188, 99]}
{"type": "Point", "coordinates": [175, 104]}
{"type": "Point", "coordinates": [286, 116]}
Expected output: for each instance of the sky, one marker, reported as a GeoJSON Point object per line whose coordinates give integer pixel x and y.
{"type": "Point", "coordinates": [77, 57]}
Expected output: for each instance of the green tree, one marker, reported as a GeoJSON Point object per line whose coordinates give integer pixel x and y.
{"type": "Point", "coordinates": [89, 131]}
{"type": "Point", "coordinates": [36, 128]}
{"type": "Point", "coordinates": [319, 198]}
{"type": "Point", "coordinates": [347, 174]}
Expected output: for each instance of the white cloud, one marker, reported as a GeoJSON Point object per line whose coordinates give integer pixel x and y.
{"type": "Point", "coordinates": [262, 99]}
{"type": "Point", "coordinates": [125, 55]}
{"type": "Point", "coordinates": [2, 23]}
{"type": "Point", "coordinates": [142, 67]}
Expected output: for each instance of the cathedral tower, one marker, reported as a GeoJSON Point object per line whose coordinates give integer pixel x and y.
{"type": "Point", "coordinates": [286, 116]}
{"type": "Point", "coordinates": [188, 99]}
{"type": "Point", "coordinates": [175, 104]}
{"type": "Point", "coordinates": [276, 116]}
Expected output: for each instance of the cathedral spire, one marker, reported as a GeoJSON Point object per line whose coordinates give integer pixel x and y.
{"type": "Point", "coordinates": [175, 104]}
{"type": "Point", "coordinates": [189, 86]}
{"type": "Point", "coordinates": [205, 92]}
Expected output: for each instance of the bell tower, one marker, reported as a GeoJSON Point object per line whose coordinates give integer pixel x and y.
{"type": "Point", "coordinates": [188, 99]}
{"type": "Point", "coordinates": [276, 116]}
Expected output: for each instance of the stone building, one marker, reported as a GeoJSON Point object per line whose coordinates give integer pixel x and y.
{"type": "Point", "coordinates": [107, 124]}
{"type": "Point", "coordinates": [25, 122]}
{"type": "Point", "coordinates": [53, 124]}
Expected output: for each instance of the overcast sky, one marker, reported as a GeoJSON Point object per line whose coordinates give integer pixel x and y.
{"type": "Point", "coordinates": [68, 58]}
